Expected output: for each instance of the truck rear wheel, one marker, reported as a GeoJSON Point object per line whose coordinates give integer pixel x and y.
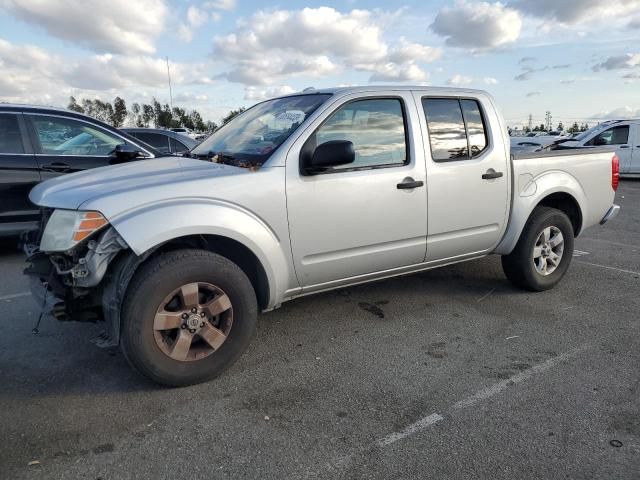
{"type": "Point", "coordinates": [187, 316]}
{"type": "Point", "coordinates": [543, 252]}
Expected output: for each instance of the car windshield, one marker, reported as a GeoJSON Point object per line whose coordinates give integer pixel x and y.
{"type": "Point", "coordinates": [251, 138]}
{"type": "Point", "coordinates": [587, 133]}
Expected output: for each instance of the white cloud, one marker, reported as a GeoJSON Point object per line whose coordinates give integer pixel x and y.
{"type": "Point", "coordinates": [196, 17]}
{"type": "Point", "coordinates": [185, 34]}
{"type": "Point", "coordinates": [478, 25]}
{"type": "Point", "coordinates": [618, 113]}
{"type": "Point", "coordinates": [629, 60]}
{"type": "Point", "coordinates": [118, 26]}
{"type": "Point", "coordinates": [392, 72]}
{"type": "Point", "coordinates": [259, 94]}
{"type": "Point", "coordinates": [34, 75]}
{"type": "Point", "coordinates": [577, 11]}
{"type": "Point", "coordinates": [315, 42]}
{"type": "Point", "coordinates": [490, 81]}
{"type": "Point", "coordinates": [460, 80]}
{"type": "Point", "coordinates": [221, 4]}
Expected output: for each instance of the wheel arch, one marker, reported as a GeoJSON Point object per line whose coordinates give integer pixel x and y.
{"type": "Point", "coordinates": [555, 189]}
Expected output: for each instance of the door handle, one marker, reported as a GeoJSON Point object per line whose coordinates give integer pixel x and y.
{"type": "Point", "coordinates": [491, 173]}
{"type": "Point", "coordinates": [409, 183]}
{"type": "Point", "coordinates": [56, 167]}
{"type": "Point", "coordinates": [625, 146]}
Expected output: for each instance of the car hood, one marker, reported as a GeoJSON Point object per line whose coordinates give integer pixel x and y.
{"type": "Point", "coordinates": [170, 175]}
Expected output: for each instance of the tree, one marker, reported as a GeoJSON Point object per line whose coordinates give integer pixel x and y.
{"type": "Point", "coordinates": [560, 127]}
{"type": "Point", "coordinates": [232, 114]}
{"type": "Point", "coordinates": [73, 105]}
{"type": "Point", "coordinates": [119, 112]}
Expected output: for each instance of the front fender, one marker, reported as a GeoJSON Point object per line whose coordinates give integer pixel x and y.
{"type": "Point", "coordinates": [149, 226]}
{"type": "Point", "coordinates": [529, 192]}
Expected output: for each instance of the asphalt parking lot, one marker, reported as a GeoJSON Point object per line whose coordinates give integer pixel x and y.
{"type": "Point", "coordinates": [452, 373]}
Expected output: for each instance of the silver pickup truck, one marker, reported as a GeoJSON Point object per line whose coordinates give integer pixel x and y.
{"type": "Point", "coordinates": [297, 195]}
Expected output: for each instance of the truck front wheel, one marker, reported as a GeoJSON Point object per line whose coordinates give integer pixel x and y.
{"type": "Point", "coordinates": [187, 316]}
{"type": "Point", "coordinates": [543, 252]}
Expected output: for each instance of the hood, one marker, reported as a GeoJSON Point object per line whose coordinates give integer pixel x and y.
{"type": "Point", "coordinates": [71, 191]}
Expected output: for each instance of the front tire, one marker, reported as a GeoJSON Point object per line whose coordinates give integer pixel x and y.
{"type": "Point", "coordinates": [187, 316]}
{"type": "Point", "coordinates": [543, 252]}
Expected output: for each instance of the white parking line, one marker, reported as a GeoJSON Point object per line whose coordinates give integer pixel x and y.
{"type": "Point", "coordinates": [608, 267]}
{"type": "Point", "coordinates": [479, 396]}
{"type": "Point", "coordinates": [494, 389]}
{"type": "Point", "coordinates": [410, 430]}
{"type": "Point", "coordinates": [15, 295]}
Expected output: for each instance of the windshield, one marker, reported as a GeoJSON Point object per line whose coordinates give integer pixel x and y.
{"type": "Point", "coordinates": [592, 130]}
{"type": "Point", "coordinates": [249, 139]}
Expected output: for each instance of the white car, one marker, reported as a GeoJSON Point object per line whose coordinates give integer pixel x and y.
{"type": "Point", "coordinates": [623, 135]}
{"type": "Point", "coordinates": [184, 131]}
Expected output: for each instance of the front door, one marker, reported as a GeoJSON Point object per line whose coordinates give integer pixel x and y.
{"type": "Point", "coordinates": [359, 218]}
{"type": "Point", "coordinates": [18, 175]}
{"type": "Point", "coordinates": [621, 138]}
{"type": "Point", "coordinates": [67, 145]}
{"type": "Point", "coordinates": [468, 176]}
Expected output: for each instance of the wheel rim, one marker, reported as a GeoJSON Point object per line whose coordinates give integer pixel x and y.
{"type": "Point", "coordinates": [193, 321]}
{"type": "Point", "coordinates": [548, 250]}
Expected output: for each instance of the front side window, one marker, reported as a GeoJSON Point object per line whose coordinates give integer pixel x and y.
{"type": "Point", "coordinates": [64, 136]}
{"type": "Point", "coordinates": [178, 147]}
{"type": "Point", "coordinates": [10, 138]}
{"type": "Point", "coordinates": [251, 138]}
{"type": "Point", "coordinates": [376, 127]}
{"type": "Point", "coordinates": [457, 129]}
{"type": "Point", "coordinates": [612, 136]}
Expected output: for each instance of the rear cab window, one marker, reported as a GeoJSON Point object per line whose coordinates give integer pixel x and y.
{"type": "Point", "coordinates": [457, 128]}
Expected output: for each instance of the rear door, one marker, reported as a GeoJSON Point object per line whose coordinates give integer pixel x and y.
{"type": "Point", "coordinates": [635, 151]}
{"type": "Point", "coordinates": [18, 174]}
{"type": "Point", "coordinates": [467, 176]}
{"type": "Point", "coordinates": [66, 144]}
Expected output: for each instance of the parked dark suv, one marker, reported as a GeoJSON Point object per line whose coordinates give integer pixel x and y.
{"type": "Point", "coordinates": [38, 143]}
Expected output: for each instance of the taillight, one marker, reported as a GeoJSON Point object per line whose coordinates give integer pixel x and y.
{"type": "Point", "coordinates": [615, 172]}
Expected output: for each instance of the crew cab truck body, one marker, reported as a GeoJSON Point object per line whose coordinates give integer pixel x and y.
{"type": "Point", "coordinates": [297, 195]}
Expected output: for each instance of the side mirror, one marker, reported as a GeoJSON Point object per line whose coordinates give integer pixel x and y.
{"type": "Point", "coordinates": [599, 142]}
{"type": "Point", "coordinates": [125, 153]}
{"type": "Point", "coordinates": [330, 154]}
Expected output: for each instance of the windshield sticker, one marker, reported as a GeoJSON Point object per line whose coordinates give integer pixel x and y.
{"type": "Point", "coordinates": [291, 116]}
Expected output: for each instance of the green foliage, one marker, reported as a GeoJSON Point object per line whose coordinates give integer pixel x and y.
{"type": "Point", "coordinates": [146, 115]}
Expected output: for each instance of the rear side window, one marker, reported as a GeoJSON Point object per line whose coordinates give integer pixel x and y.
{"type": "Point", "coordinates": [177, 146]}
{"type": "Point", "coordinates": [376, 127]}
{"type": "Point", "coordinates": [157, 141]}
{"type": "Point", "coordinates": [476, 133]}
{"type": "Point", "coordinates": [456, 128]}
{"type": "Point", "coordinates": [10, 138]}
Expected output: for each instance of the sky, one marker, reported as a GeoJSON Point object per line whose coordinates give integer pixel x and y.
{"type": "Point", "coordinates": [578, 59]}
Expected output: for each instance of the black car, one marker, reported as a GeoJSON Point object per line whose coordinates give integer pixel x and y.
{"type": "Point", "coordinates": [165, 141]}
{"type": "Point", "coordinates": [38, 143]}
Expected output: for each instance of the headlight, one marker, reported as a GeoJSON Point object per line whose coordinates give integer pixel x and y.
{"type": "Point", "coordinates": [66, 228]}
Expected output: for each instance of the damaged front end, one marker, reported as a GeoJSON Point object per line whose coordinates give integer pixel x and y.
{"type": "Point", "coordinates": [70, 284]}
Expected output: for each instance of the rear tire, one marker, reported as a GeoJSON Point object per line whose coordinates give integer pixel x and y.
{"type": "Point", "coordinates": [192, 299]}
{"type": "Point", "coordinates": [543, 252]}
